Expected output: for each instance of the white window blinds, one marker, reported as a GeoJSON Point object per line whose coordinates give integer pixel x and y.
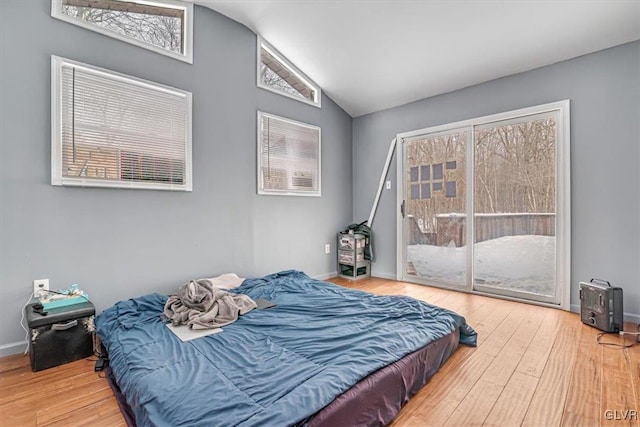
{"type": "Point", "coordinates": [118, 131]}
{"type": "Point", "coordinates": [288, 157]}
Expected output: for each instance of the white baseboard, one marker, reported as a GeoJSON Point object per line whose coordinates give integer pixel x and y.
{"type": "Point", "coordinates": [628, 317]}
{"type": "Point", "coordinates": [12, 348]}
{"type": "Point", "coordinates": [384, 275]}
{"type": "Point", "coordinates": [326, 276]}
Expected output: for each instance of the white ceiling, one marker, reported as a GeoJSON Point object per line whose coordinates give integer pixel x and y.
{"type": "Point", "coordinates": [372, 55]}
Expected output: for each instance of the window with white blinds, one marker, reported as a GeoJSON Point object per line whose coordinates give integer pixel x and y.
{"type": "Point", "coordinates": [288, 157]}
{"type": "Point", "coordinates": [277, 74]}
{"type": "Point", "coordinates": [113, 130]}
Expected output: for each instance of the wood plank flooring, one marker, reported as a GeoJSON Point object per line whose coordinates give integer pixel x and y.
{"type": "Point", "coordinates": [533, 366]}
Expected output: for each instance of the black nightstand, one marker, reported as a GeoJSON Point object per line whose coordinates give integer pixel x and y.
{"type": "Point", "coordinates": [65, 334]}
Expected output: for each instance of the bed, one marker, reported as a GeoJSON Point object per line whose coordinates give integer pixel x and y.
{"type": "Point", "coordinates": [325, 355]}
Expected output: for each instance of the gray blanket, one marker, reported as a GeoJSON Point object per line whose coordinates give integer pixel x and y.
{"type": "Point", "coordinates": [200, 306]}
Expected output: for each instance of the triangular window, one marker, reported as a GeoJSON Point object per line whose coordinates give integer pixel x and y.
{"type": "Point", "coordinates": [164, 27]}
{"type": "Point", "coordinates": [277, 74]}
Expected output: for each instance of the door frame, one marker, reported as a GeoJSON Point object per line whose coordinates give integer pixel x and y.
{"type": "Point", "coordinates": [563, 199]}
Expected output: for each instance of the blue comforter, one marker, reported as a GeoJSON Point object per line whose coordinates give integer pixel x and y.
{"type": "Point", "coordinates": [275, 366]}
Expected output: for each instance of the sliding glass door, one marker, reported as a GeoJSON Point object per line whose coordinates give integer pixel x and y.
{"type": "Point", "coordinates": [510, 173]}
{"type": "Point", "coordinates": [514, 204]}
{"type": "Point", "coordinates": [435, 206]}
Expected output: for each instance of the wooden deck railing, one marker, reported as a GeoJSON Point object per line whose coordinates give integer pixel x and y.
{"type": "Point", "coordinates": [450, 228]}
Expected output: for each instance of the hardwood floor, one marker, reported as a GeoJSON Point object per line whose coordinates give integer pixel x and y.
{"type": "Point", "coordinates": [534, 366]}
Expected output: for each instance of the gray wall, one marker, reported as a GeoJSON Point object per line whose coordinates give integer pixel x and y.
{"type": "Point", "coordinates": [121, 243]}
{"type": "Point", "coordinates": [604, 89]}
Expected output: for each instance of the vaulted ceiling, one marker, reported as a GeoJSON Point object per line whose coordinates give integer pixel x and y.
{"type": "Point", "coordinates": [373, 55]}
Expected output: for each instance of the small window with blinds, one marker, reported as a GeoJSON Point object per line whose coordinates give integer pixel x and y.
{"type": "Point", "coordinates": [277, 74]}
{"type": "Point", "coordinates": [288, 157]}
{"type": "Point", "coordinates": [113, 130]}
{"type": "Point", "coordinates": [164, 26]}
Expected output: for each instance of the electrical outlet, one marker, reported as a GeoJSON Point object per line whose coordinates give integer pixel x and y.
{"type": "Point", "coordinates": [327, 248]}
{"type": "Point", "coordinates": [40, 285]}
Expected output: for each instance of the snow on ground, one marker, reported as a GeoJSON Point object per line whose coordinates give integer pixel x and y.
{"type": "Point", "coordinates": [524, 263]}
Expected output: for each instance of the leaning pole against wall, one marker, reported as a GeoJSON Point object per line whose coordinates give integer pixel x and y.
{"type": "Point", "coordinates": [383, 176]}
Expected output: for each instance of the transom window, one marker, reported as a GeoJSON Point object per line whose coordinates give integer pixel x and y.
{"type": "Point", "coordinates": [112, 130]}
{"type": "Point", "coordinates": [277, 74]}
{"type": "Point", "coordinates": [163, 26]}
{"type": "Point", "coordinates": [288, 157]}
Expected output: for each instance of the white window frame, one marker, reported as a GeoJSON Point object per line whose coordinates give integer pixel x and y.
{"type": "Point", "coordinates": [563, 206]}
{"type": "Point", "coordinates": [57, 178]}
{"type": "Point", "coordinates": [260, 182]}
{"type": "Point", "coordinates": [262, 43]}
{"type": "Point", "coordinates": [186, 56]}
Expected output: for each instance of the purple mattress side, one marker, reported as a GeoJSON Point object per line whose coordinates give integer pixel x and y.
{"type": "Point", "coordinates": [126, 410]}
{"type": "Point", "coordinates": [376, 399]}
